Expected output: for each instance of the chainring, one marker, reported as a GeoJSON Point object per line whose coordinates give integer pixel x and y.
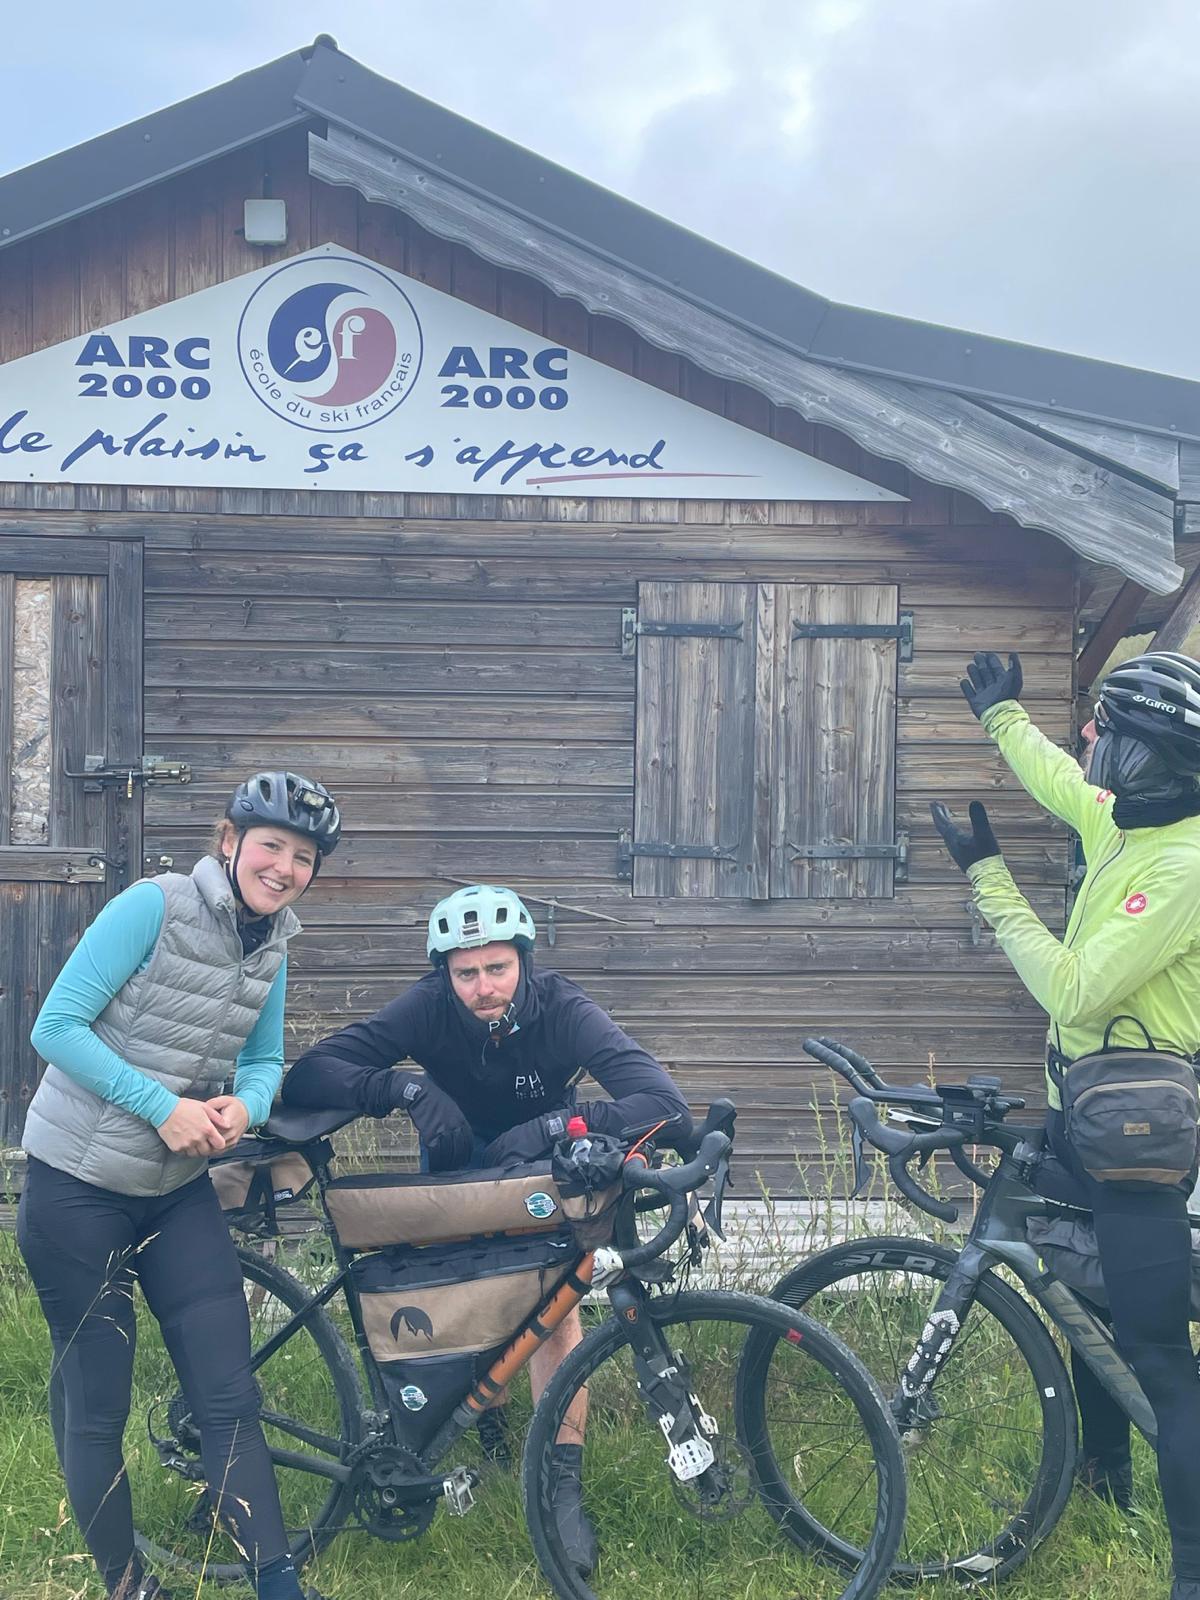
{"type": "Point", "coordinates": [376, 1488]}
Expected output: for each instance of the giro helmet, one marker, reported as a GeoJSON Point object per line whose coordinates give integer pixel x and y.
{"type": "Point", "coordinates": [481, 914]}
{"type": "Point", "coordinates": [286, 800]}
{"type": "Point", "coordinates": [1156, 698]}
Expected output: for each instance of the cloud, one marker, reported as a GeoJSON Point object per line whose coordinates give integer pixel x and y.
{"type": "Point", "coordinates": [1006, 166]}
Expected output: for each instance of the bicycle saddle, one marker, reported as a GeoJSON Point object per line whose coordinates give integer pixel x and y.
{"type": "Point", "coordinates": [298, 1125]}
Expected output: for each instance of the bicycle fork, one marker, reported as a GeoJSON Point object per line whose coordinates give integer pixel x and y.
{"type": "Point", "coordinates": [665, 1384]}
{"type": "Point", "coordinates": [913, 1404]}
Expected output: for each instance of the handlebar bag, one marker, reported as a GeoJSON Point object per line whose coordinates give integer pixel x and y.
{"type": "Point", "coordinates": [435, 1318]}
{"type": "Point", "coordinates": [256, 1176]}
{"type": "Point", "coordinates": [1067, 1244]}
{"type": "Point", "coordinates": [589, 1183]}
{"type": "Point", "coordinates": [1133, 1116]}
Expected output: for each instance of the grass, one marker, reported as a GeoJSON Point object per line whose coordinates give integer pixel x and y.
{"type": "Point", "coordinates": [1094, 1554]}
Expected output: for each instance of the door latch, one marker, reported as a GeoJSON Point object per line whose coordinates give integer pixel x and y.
{"type": "Point", "coordinates": [153, 769]}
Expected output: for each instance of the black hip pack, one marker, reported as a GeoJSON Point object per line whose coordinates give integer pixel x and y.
{"type": "Point", "coordinates": [1131, 1116]}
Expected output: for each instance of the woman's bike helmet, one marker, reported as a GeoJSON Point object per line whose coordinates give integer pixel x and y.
{"type": "Point", "coordinates": [1156, 698]}
{"type": "Point", "coordinates": [478, 915]}
{"type": "Point", "coordinates": [286, 800]}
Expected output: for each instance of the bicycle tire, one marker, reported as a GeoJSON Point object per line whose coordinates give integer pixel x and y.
{"type": "Point", "coordinates": [263, 1276]}
{"type": "Point", "coordinates": [836, 1286]}
{"type": "Point", "coordinates": [690, 1558]}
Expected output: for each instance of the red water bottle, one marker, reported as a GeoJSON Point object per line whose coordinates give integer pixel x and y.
{"type": "Point", "coordinates": [577, 1132]}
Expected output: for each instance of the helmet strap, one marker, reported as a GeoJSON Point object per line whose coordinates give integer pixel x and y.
{"type": "Point", "coordinates": [231, 869]}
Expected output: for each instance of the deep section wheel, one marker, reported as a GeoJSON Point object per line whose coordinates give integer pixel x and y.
{"type": "Point", "coordinates": [991, 1448]}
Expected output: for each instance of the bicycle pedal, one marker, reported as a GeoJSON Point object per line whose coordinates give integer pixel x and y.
{"type": "Point", "coordinates": [458, 1489]}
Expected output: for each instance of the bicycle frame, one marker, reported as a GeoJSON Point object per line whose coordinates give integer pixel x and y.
{"type": "Point", "coordinates": [535, 1331]}
{"type": "Point", "coordinates": [997, 1237]}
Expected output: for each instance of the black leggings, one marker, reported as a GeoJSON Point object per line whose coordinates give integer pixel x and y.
{"type": "Point", "coordinates": [1145, 1255]}
{"type": "Point", "coordinates": [84, 1248]}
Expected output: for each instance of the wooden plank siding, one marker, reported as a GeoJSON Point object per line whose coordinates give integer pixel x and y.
{"type": "Point", "coordinates": [451, 667]}
{"type": "Point", "coordinates": [496, 738]}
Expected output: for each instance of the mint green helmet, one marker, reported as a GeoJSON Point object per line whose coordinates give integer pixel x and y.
{"type": "Point", "coordinates": [479, 915]}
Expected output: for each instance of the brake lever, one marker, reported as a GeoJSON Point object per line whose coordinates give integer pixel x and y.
{"type": "Point", "coordinates": [862, 1167]}
{"type": "Point", "coordinates": [712, 1211]}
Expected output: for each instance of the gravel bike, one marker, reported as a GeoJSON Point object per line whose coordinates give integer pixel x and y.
{"type": "Point", "coordinates": [726, 1433]}
{"type": "Point", "coordinates": [979, 1391]}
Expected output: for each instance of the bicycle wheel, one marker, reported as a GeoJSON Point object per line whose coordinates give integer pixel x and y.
{"type": "Point", "coordinates": [312, 1404]}
{"type": "Point", "coordinates": [992, 1459]}
{"type": "Point", "coordinates": [657, 1537]}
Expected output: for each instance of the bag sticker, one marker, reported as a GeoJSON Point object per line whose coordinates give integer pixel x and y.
{"type": "Point", "coordinates": [414, 1399]}
{"type": "Point", "coordinates": [540, 1204]}
{"type": "Point", "coordinates": [414, 1319]}
{"type": "Point", "coordinates": [1135, 904]}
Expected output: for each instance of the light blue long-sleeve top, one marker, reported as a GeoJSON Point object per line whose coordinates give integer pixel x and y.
{"type": "Point", "coordinates": [117, 944]}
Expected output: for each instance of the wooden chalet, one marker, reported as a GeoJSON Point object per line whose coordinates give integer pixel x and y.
{"type": "Point", "coordinates": [700, 735]}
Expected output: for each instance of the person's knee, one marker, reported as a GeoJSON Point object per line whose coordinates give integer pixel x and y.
{"type": "Point", "coordinates": [1166, 1373]}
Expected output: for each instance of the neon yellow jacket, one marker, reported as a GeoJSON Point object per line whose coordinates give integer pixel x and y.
{"type": "Point", "coordinates": [1133, 941]}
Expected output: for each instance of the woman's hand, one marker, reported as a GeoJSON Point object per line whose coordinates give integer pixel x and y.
{"type": "Point", "coordinates": [193, 1129]}
{"type": "Point", "coordinates": [231, 1116]}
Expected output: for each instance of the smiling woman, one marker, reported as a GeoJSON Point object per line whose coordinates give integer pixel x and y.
{"type": "Point", "coordinates": [177, 985]}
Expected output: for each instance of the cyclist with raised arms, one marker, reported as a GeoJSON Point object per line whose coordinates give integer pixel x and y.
{"type": "Point", "coordinates": [503, 1047]}
{"type": "Point", "coordinates": [177, 985]}
{"type": "Point", "coordinates": [1126, 974]}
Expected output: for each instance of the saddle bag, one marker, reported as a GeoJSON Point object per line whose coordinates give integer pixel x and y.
{"type": "Point", "coordinates": [256, 1177]}
{"type": "Point", "coordinates": [1132, 1116]}
{"type": "Point", "coordinates": [434, 1318]}
{"type": "Point", "coordinates": [375, 1209]}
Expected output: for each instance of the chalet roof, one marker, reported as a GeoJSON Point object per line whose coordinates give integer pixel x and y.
{"type": "Point", "coordinates": [1104, 438]}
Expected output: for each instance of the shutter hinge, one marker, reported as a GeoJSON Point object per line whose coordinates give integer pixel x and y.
{"type": "Point", "coordinates": [901, 630]}
{"type": "Point", "coordinates": [631, 628]}
{"type": "Point", "coordinates": [627, 850]}
{"type": "Point", "coordinates": [897, 852]}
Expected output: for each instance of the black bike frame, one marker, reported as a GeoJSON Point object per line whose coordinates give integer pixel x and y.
{"type": "Point", "coordinates": [997, 1237]}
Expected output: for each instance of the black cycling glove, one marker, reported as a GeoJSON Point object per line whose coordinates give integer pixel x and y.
{"type": "Point", "coordinates": [989, 681]}
{"type": "Point", "coordinates": [528, 1141]}
{"type": "Point", "coordinates": [966, 848]}
{"type": "Point", "coordinates": [446, 1135]}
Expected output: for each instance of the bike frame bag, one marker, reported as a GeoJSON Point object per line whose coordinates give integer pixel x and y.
{"type": "Point", "coordinates": [434, 1318]}
{"type": "Point", "coordinates": [1067, 1244]}
{"type": "Point", "coordinates": [372, 1210]}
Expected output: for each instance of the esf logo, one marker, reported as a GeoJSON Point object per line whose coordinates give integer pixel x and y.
{"type": "Point", "coordinates": [330, 344]}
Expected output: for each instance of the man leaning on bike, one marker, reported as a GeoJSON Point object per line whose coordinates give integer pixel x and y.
{"type": "Point", "coordinates": [1122, 990]}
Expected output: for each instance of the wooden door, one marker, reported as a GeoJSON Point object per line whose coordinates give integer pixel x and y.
{"type": "Point", "coordinates": [70, 714]}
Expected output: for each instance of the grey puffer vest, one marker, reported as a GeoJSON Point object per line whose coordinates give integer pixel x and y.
{"type": "Point", "coordinates": [181, 1019]}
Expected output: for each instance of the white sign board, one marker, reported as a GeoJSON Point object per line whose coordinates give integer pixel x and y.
{"type": "Point", "coordinates": [330, 372]}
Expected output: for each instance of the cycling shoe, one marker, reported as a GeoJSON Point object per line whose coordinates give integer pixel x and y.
{"type": "Point", "coordinates": [1109, 1480]}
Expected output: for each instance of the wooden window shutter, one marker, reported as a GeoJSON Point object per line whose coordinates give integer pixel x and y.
{"type": "Point", "coordinates": [834, 757]}
{"type": "Point", "coordinates": [701, 797]}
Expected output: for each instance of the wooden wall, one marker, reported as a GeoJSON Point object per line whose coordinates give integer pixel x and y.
{"type": "Point", "coordinates": [451, 667]}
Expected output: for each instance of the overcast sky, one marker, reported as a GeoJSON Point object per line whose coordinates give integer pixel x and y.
{"type": "Point", "coordinates": [1026, 168]}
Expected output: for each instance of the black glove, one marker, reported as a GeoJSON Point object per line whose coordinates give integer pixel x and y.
{"type": "Point", "coordinates": [988, 681]}
{"type": "Point", "coordinates": [445, 1132]}
{"type": "Point", "coordinates": [966, 848]}
{"type": "Point", "coordinates": [528, 1141]}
